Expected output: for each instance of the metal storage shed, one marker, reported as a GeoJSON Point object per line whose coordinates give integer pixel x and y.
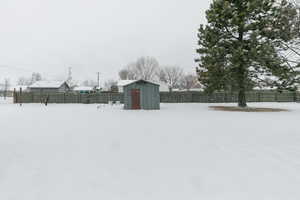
{"type": "Point", "coordinates": [141, 94]}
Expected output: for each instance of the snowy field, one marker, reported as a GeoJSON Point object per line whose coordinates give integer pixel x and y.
{"type": "Point", "coordinates": [182, 152]}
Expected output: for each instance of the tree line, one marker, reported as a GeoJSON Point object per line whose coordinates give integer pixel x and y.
{"type": "Point", "coordinates": [148, 68]}
{"type": "Point", "coordinates": [29, 80]}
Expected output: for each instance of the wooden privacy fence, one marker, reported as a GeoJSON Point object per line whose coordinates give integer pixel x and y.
{"type": "Point", "coordinates": [165, 97]}
{"type": "Point", "coordinates": [103, 98]}
{"type": "Point", "coordinates": [223, 97]}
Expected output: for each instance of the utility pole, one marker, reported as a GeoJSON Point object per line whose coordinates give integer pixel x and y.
{"type": "Point", "coordinates": [6, 87]}
{"type": "Point", "coordinates": [98, 80]}
{"type": "Point", "coordinates": [70, 75]}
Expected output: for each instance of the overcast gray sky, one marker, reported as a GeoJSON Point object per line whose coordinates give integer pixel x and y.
{"type": "Point", "coordinates": [48, 36]}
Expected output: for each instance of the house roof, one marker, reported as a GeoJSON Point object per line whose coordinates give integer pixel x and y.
{"type": "Point", "coordinates": [83, 88]}
{"type": "Point", "coordinates": [47, 84]}
{"type": "Point", "coordinates": [141, 80]}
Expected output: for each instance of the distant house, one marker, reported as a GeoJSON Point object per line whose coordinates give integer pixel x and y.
{"type": "Point", "coordinates": [24, 88]}
{"type": "Point", "coordinates": [18, 88]}
{"type": "Point", "coordinates": [49, 87]}
{"type": "Point", "coordinates": [83, 89]}
{"type": "Point", "coordinates": [8, 92]}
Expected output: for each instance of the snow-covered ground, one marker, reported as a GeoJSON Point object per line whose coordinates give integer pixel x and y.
{"type": "Point", "coordinates": [182, 152]}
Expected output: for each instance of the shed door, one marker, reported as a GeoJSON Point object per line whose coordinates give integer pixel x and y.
{"type": "Point", "coordinates": [135, 99]}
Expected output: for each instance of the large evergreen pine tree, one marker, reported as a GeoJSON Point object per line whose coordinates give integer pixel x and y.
{"type": "Point", "coordinates": [244, 43]}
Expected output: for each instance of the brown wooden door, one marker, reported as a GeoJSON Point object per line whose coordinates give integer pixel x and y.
{"type": "Point", "coordinates": [135, 99]}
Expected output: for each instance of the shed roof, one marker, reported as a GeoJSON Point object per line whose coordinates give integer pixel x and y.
{"type": "Point", "coordinates": [47, 84]}
{"type": "Point", "coordinates": [142, 81]}
{"type": "Point", "coordinates": [124, 82]}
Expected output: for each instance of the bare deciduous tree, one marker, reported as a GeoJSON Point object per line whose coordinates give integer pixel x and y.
{"type": "Point", "coordinates": [30, 80]}
{"type": "Point", "coordinates": [170, 76]}
{"type": "Point", "coordinates": [188, 81]}
{"type": "Point", "coordinates": [90, 83]}
{"type": "Point", "coordinates": [35, 77]}
{"type": "Point", "coordinates": [128, 73]}
{"type": "Point", "coordinates": [23, 81]}
{"type": "Point", "coordinates": [144, 68]}
{"type": "Point", "coordinates": [123, 74]}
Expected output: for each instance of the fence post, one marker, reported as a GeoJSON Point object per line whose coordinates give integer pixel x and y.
{"type": "Point", "coordinates": [193, 98]}
{"type": "Point", "coordinates": [20, 96]}
{"type": "Point", "coordinates": [14, 96]}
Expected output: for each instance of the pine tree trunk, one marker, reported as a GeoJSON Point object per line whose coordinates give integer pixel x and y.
{"type": "Point", "coordinates": [241, 72]}
{"type": "Point", "coordinates": [242, 102]}
{"type": "Point", "coordinates": [242, 98]}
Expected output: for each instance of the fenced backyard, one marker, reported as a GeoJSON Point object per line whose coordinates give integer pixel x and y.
{"type": "Point", "coordinates": [165, 97]}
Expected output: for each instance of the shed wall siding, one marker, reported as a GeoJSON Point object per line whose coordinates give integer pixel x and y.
{"type": "Point", "coordinates": [150, 99]}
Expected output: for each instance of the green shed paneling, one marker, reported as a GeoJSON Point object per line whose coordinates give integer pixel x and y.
{"type": "Point", "coordinates": [149, 95]}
